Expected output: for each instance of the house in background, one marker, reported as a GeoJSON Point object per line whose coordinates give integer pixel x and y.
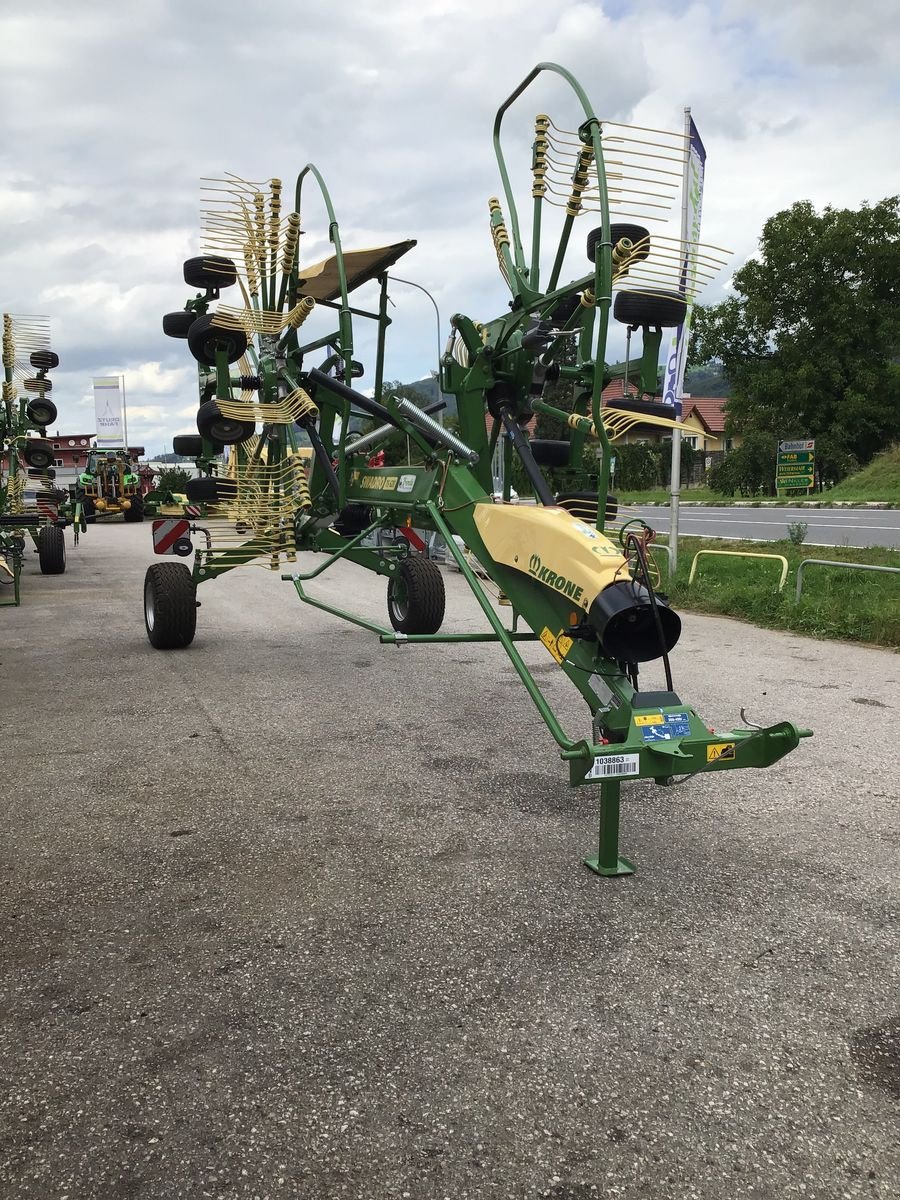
{"type": "Point", "coordinates": [706, 414]}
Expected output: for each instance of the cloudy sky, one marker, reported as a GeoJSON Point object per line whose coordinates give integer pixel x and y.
{"type": "Point", "coordinates": [112, 113]}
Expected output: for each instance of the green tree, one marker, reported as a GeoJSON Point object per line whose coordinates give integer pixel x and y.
{"type": "Point", "coordinates": [750, 469]}
{"type": "Point", "coordinates": [172, 479]}
{"type": "Point", "coordinates": [810, 340]}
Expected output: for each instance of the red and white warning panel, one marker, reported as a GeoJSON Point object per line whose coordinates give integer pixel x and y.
{"type": "Point", "coordinates": [167, 532]}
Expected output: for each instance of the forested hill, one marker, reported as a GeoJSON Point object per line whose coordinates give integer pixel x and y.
{"type": "Point", "coordinates": [708, 380]}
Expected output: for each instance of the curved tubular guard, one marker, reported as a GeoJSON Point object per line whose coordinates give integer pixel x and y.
{"type": "Point", "coordinates": [334, 236]}
{"type": "Point", "coordinates": [590, 135]}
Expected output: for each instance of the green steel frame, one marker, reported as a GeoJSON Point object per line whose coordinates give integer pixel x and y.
{"type": "Point", "coordinates": [491, 370]}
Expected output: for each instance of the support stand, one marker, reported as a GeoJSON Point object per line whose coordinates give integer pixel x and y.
{"type": "Point", "coordinates": [608, 861]}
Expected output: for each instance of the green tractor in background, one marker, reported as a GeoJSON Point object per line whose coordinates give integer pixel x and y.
{"type": "Point", "coordinates": [110, 484]}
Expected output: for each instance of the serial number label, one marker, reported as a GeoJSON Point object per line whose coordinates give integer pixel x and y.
{"type": "Point", "coordinates": [613, 765]}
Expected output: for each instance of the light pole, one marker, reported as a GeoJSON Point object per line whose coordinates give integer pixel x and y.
{"type": "Point", "coordinates": [437, 313]}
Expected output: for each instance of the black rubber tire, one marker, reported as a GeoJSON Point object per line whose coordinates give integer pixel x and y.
{"type": "Point", "coordinates": [41, 412]}
{"type": "Point", "coordinates": [210, 271]}
{"type": "Point", "coordinates": [634, 233]}
{"type": "Point", "coordinates": [170, 606]}
{"type": "Point", "coordinates": [210, 489]}
{"type": "Point", "coordinates": [38, 385]}
{"type": "Point", "coordinates": [204, 338]}
{"type": "Point", "coordinates": [564, 308]}
{"type": "Point", "coordinates": [650, 408]}
{"type": "Point", "coordinates": [352, 520]}
{"type": "Point", "coordinates": [548, 453]}
{"type": "Point", "coordinates": [38, 453]}
{"type": "Point", "coordinates": [662, 311]}
{"type": "Point", "coordinates": [51, 550]}
{"type": "Point", "coordinates": [416, 597]}
{"type": "Point", "coordinates": [44, 360]}
{"type": "Point", "coordinates": [177, 324]}
{"type": "Point", "coordinates": [583, 505]}
{"type": "Point", "coordinates": [224, 430]}
{"type": "Point", "coordinates": [188, 444]}
{"type": "Point", "coordinates": [136, 513]}
{"type": "Point", "coordinates": [88, 511]}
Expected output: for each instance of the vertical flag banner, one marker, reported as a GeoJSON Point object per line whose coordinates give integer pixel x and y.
{"type": "Point", "coordinates": [108, 412]}
{"type": "Point", "coordinates": [691, 207]}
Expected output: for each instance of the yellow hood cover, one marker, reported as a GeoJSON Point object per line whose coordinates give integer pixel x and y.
{"type": "Point", "coordinates": [553, 547]}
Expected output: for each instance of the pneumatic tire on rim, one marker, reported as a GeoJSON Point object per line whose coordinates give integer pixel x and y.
{"type": "Point", "coordinates": [170, 606]}
{"type": "Point", "coordinates": [41, 412]}
{"type": "Point", "coordinates": [177, 324]}
{"type": "Point", "coordinates": [190, 445]}
{"type": "Point", "coordinates": [210, 271]}
{"type": "Point", "coordinates": [136, 512]}
{"type": "Point", "coordinates": [549, 453]}
{"type": "Point", "coordinates": [226, 430]}
{"type": "Point", "coordinates": [37, 453]}
{"type": "Point", "coordinates": [636, 234]}
{"type": "Point", "coordinates": [204, 339]}
{"type": "Point", "coordinates": [51, 550]}
{"type": "Point", "coordinates": [663, 310]}
{"type": "Point", "coordinates": [211, 489]}
{"type": "Point", "coordinates": [416, 596]}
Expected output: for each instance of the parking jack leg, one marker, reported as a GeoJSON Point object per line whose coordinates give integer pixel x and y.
{"type": "Point", "coordinates": [608, 861]}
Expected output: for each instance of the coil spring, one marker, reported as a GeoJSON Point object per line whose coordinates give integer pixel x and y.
{"type": "Point", "coordinates": [301, 486]}
{"type": "Point", "coordinates": [15, 494]}
{"type": "Point", "coordinates": [290, 242]}
{"type": "Point", "coordinates": [300, 312]}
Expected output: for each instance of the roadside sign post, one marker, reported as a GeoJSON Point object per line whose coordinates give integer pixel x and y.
{"type": "Point", "coordinates": [795, 466]}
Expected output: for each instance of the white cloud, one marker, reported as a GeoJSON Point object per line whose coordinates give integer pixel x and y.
{"type": "Point", "coordinates": [395, 103]}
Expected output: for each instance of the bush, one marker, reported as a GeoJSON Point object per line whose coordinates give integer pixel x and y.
{"type": "Point", "coordinates": [172, 479]}
{"type": "Point", "coordinates": [797, 532]}
{"type": "Point", "coordinates": [750, 469]}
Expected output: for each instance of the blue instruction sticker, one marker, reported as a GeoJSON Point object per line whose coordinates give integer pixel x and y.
{"type": "Point", "coordinates": [667, 727]}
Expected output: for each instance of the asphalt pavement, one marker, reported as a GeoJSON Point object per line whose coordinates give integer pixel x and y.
{"type": "Point", "coordinates": [825, 526]}
{"type": "Point", "coordinates": [294, 914]}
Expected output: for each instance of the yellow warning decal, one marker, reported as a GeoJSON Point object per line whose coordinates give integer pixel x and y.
{"type": "Point", "coordinates": [649, 719]}
{"type": "Point", "coordinates": [719, 750]}
{"type": "Point", "coordinates": [557, 643]}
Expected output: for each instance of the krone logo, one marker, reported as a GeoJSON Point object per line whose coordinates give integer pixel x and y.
{"type": "Point", "coordinates": [559, 583]}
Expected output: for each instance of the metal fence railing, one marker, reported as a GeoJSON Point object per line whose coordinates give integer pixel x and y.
{"type": "Point", "coordinates": [742, 554]}
{"type": "Point", "coordinates": [826, 562]}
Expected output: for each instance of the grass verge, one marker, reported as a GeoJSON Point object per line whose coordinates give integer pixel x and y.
{"type": "Point", "coordinates": [880, 480]}
{"type": "Point", "coordinates": [855, 606]}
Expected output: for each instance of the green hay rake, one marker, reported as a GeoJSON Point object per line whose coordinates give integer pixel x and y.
{"type": "Point", "coordinates": [577, 576]}
{"type": "Point", "coordinates": [27, 359]}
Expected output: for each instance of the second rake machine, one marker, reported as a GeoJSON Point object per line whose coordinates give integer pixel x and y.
{"type": "Point", "coordinates": [578, 577]}
{"type": "Point", "coordinates": [27, 362]}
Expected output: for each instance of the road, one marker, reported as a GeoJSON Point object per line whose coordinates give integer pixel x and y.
{"type": "Point", "coordinates": [294, 914]}
{"type": "Point", "coordinates": [826, 526]}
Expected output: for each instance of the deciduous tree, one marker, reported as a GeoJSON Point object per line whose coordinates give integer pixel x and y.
{"type": "Point", "coordinates": [810, 339]}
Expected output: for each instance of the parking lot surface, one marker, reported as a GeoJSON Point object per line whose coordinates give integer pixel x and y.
{"type": "Point", "coordinates": [294, 914]}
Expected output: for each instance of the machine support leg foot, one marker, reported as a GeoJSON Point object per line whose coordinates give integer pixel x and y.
{"type": "Point", "coordinates": [608, 861]}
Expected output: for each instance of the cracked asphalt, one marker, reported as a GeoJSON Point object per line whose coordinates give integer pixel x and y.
{"type": "Point", "coordinates": [294, 914]}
